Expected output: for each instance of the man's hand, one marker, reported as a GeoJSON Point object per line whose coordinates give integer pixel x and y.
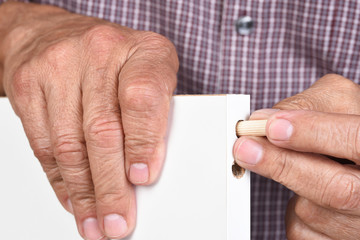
{"type": "Point", "coordinates": [93, 98]}
{"type": "Point", "coordinates": [297, 154]}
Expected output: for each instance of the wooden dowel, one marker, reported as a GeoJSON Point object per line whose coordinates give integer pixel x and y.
{"type": "Point", "coordinates": [251, 128]}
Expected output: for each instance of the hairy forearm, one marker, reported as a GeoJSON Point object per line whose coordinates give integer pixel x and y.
{"type": "Point", "coordinates": [19, 22]}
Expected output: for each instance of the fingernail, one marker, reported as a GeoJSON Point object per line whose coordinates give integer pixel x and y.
{"type": "Point", "coordinates": [92, 230]}
{"type": "Point", "coordinates": [115, 226]}
{"type": "Point", "coordinates": [248, 151]}
{"type": "Point", "coordinates": [264, 113]}
{"type": "Point", "coordinates": [70, 207]}
{"type": "Point", "coordinates": [280, 129]}
{"type": "Point", "coordinates": [139, 173]}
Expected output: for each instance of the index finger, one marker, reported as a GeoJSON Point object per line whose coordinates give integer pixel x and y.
{"type": "Point", "coordinates": [336, 135]}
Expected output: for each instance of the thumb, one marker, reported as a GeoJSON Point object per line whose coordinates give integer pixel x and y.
{"type": "Point", "coordinates": [146, 84]}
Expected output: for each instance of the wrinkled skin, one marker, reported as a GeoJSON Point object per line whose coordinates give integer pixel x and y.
{"type": "Point", "coordinates": [93, 98]}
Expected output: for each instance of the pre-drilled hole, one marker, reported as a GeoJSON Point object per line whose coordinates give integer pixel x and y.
{"type": "Point", "coordinates": [237, 171]}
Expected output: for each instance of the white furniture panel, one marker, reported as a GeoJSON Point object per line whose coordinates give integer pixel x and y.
{"type": "Point", "coordinates": [197, 196]}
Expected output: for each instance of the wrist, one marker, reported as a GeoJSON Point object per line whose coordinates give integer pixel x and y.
{"type": "Point", "coordinates": [19, 23]}
{"type": "Point", "coordinates": [7, 18]}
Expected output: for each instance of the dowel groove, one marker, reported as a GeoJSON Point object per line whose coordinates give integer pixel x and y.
{"type": "Point", "coordinates": [251, 128]}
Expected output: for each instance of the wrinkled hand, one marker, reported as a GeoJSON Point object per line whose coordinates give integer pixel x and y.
{"type": "Point", "coordinates": [93, 98]}
{"type": "Point", "coordinates": [297, 154]}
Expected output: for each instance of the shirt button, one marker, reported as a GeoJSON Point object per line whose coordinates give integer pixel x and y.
{"type": "Point", "coordinates": [244, 25]}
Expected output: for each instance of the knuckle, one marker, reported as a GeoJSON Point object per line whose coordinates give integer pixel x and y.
{"type": "Point", "coordinates": [143, 96]}
{"type": "Point", "coordinates": [140, 149]}
{"type": "Point", "coordinates": [164, 48]}
{"type": "Point", "coordinates": [347, 86]}
{"type": "Point", "coordinates": [42, 152]}
{"type": "Point", "coordinates": [79, 181]}
{"type": "Point", "coordinates": [350, 199]}
{"type": "Point", "coordinates": [68, 150]}
{"type": "Point", "coordinates": [109, 198]}
{"type": "Point", "coordinates": [282, 167]}
{"type": "Point", "coordinates": [22, 83]}
{"type": "Point", "coordinates": [46, 158]}
{"type": "Point", "coordinates": [55, 180]}
{"type": "Point", "coordinates": [104, 132]}
{"type": "Point", "coordinates": [83, 198]}
{"type": "Point", "coordinates": [58, 56]}
{"type": "Point", "coordinates": [339, 82]}
{"type": "Point", "coordinates": [102, 38]}
{"type": "Point", "coordinates": [299, 101]}
{"type": "Point", "coordinates": [53, 174]}
{"type": "Point", "coordinates": [339, 92]}
{"type": "Point", "coordinates": [150, 40]}
{"type": "Point", "coordinates": [342, 192]}
{"type": "Point", "coordinates": [330, 77]}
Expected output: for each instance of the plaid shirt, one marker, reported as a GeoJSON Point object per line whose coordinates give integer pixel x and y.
{"type": "Point", "coordinates": [293, 43]}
